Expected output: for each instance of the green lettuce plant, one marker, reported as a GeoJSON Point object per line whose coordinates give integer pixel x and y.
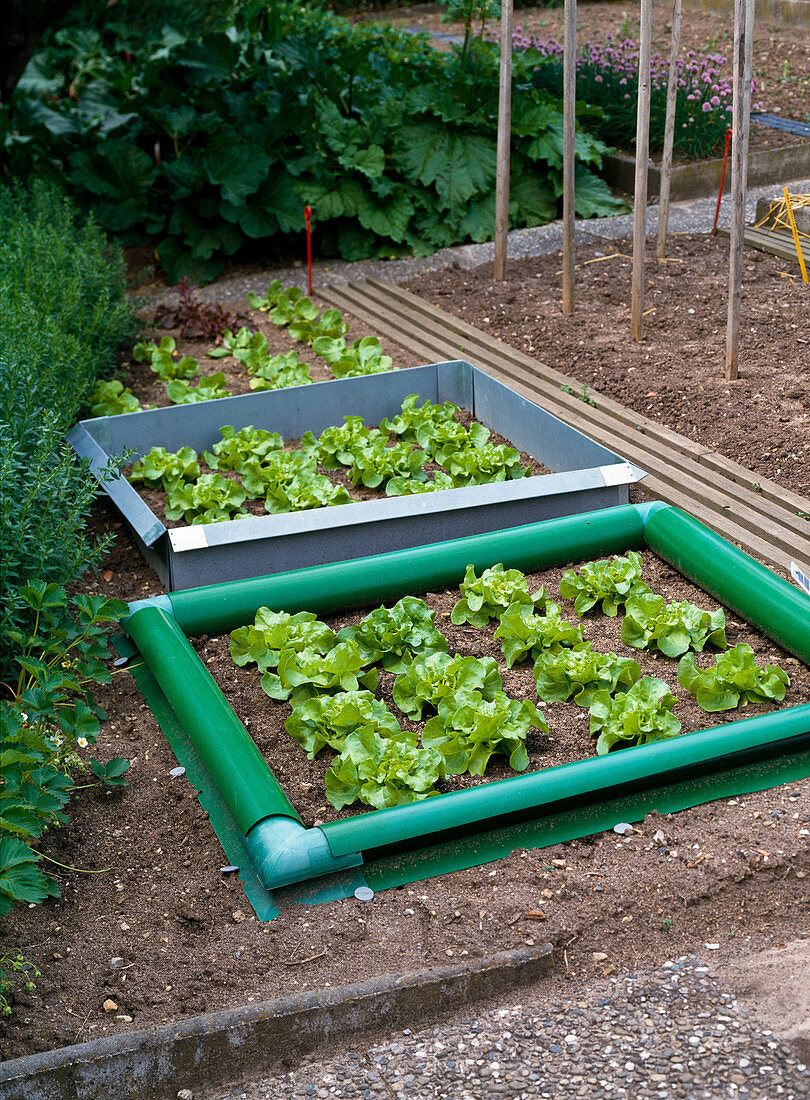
{"type": "Point", "coordinates": [327, 720]}
{"type": "Point", "coordinates": [211, 499]}
{"type": "Point", "coordinates": [276, 469]}
{"type": "Point", "coordinates": [163, 361]}
{"type": "Point", "coordinates": [581, 673]}
{"type": "Point", "coordinates": [613, 582]}
{"type": "Point", "coordinates": [468, 735]}
{"type": "Point", "coordinates": [488, 596]}
{"type": "Point", "coordinates": [414, 418]}
{"type": "Point", "coordinates": [673, 628]}
{"type": "Point", "coordinates": [304, 491]}
{"type": "Point", "coordinates": [329, 326]}
{"type": "Point", "coordinates": [111, 399]}
{"type": "Point", "coordinates": [239, 344]}
{"type": "Point", "coordinates": [362, 356]}
{"type": "Point", "coordinates": [302, 673]}
{"type": "Point", "coordinates": [735, 679]}
{"type": "Point", "coordinates": [479, 465]}
{"type": "Point", "coordinates": [522, 633]}
{"type": "Point", "coordinates": [447, 438]}
{"type": "Point", "coordinates": [409, 486]}
{"type": "Point", "coordinates": [432, 677]}
{"type": "Point", "coordinates": [638, 716]}
{"type": "Point", "coordinates": [374, 463]}
{"type": "Point", "coordinates": [336, 446]}
{"type": "Point", "coordinates": [277, 372]}
{"type": "Point", "coordinates": [261, 642]}
{"type": "Point", "coordinates": [382, 772]}
{"type": "Point", "coordinates": [392, 635]}
{"type": "Point", "coordinates": [237, 447]}
{"type": "Point", "coordinates": [267, 301]}
{"type": "Point", "coordinates": [209, 388]}
{"type": "Point", "coordinates": [162, 469]}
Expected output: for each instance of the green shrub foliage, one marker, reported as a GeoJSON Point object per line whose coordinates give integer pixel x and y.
{"type": "Point", "coordinates": [202, 145]}
{"type": "Point", "coordinates": [63, 312]}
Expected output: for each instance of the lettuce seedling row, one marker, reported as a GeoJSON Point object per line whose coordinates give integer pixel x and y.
{"type": "Point", "coordinates": [586, 476]}
{"type": "Point", "coordinates": [261, 831]}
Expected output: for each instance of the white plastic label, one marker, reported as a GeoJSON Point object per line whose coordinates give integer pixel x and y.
{"type": "Point", "coordinates": [799, 577]}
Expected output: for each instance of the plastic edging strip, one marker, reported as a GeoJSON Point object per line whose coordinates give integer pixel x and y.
{"type": "Point", "coordinates": [284, 852]}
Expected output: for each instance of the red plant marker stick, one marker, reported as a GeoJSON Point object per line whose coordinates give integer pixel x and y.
{"type": "Point", "coordinates": [722, 181]}
{"type": "Point", "coordinates": [308, 216]}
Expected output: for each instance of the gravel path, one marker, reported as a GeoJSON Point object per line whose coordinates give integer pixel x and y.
{"type": "Point", "coordinates": [689, 216]}
{"type": "Point", "coordinates": [670, 1034]}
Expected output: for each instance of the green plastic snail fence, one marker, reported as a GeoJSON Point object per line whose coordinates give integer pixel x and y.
{"type": "Point", "coordinates": [280, 860]}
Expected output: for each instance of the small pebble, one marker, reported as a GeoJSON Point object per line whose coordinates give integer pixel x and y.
{"type": "Point", "coordinates": [110, 1005]}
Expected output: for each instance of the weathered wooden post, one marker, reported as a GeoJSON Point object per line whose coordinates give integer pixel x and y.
{"type": "Point", "coordinates": [642, 162]}
{"type": "Point", "coordinates": [740, 123]}
{"type": "Point", "coordinates": [504, 142]}
{"type": "Point", "coordinates": [569, 151]}
{"type": "Point", "coordinates": [669, 131]}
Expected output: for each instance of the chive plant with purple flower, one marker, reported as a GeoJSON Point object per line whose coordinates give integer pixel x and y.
{"type": "Point", "coordinates": [607, 77]}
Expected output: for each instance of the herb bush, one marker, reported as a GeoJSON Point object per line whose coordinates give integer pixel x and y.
{"type": "Point", "coordinates": [607, 77]}
{"type": "Point", "coordinates": [203, 145]}
{"type": "Point", "coordinates": [63, 313]}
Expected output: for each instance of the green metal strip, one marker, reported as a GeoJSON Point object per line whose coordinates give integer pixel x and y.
{"type": "Point", "coordinates": [323, 588]}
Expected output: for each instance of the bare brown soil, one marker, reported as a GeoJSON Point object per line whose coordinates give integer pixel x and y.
{"type": "Point", "coordinates": [675, 374]}
{"type": "Point", "coordinates": [781, 54]}
{"type": "Point", "coordinates": [731, 874]}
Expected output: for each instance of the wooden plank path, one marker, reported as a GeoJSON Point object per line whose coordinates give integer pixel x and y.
{"type": "Point", "coordinates": [778, 242]}
{"type": "Point", "coordinates": [757, 514]}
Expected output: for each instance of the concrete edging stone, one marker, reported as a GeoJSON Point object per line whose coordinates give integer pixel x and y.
{"type": "Point", "coordinates": [225, 1046]}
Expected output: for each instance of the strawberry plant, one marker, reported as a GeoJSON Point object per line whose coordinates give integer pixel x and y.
{"type": "Point", "coordinates": [612, 582]}
{"type": "Point", "coordinates": [163, 361]}
{"type": "Point", "coordinates": [522, 633]}
{"type": "Point", "coordinates": [638, 716]}
{"type": "Point", "coordinates": [210, 499]}
{"type": "Point", "coordinates": [162, 469]}
{"type": "Point", "coordinates": [209, 388]}
{"type": "Point", "coordinates": [673, 628]}
{"type": "Point", "coordinates": [580, 673]}
{"type": "Point", "coordinates": [490, 595]}
{"type": "Point", "coordinates": [735, 679]}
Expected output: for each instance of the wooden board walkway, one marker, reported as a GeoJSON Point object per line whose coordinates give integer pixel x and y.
{"type": "Point", "coordinates": [757, 514]}
{"type": "Point", "coordinates": [778, 242]}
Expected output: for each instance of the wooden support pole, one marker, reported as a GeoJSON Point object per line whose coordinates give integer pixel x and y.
{"type": "Point", "coordinates": [740, 123]}
{"type": "Point", "coordinates": [669, 131]}
{"type": "Point", "coordinates": [504, 142]}
{"type": "Point", "coordinates": [642, 163]}
{"type": "Point", "coordinates": [569, 151]}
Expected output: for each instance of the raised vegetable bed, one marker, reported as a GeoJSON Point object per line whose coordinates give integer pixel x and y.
{"type": "Point", "coordinates": [586, 476]}
{"type": "Point", "coordinates": [260, 828]}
